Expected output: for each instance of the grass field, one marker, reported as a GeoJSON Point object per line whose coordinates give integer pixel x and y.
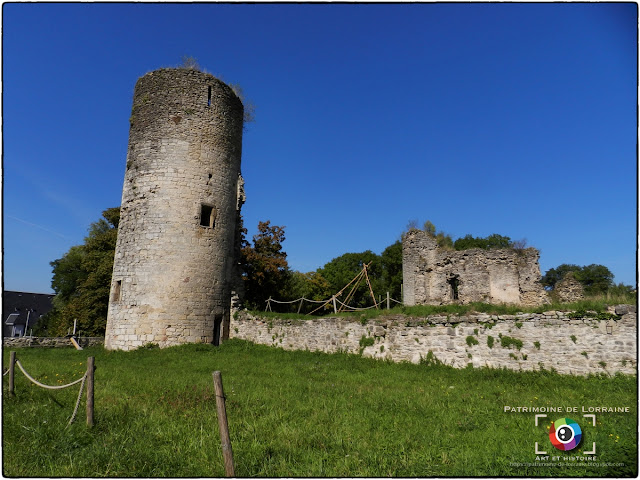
{"type": "Point", "coordinates": [301, 414]}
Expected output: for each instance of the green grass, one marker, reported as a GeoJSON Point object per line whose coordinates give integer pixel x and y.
{"type": "Point", "coordinates": [298, 414]}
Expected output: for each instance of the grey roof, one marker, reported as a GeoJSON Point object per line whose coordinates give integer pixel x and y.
{"type": "Point", "coordinates": [18, 306]}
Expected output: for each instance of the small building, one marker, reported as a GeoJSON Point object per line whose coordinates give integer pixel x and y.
{"type": "Point", "coordinates": [21, 311]}
{"type": "Point", "coordinates": [434, 276]}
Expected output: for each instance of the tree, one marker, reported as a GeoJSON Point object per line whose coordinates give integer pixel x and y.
{"type": "Point", "coordinates": [391, 259]}
{"type": "Point", "coordinates": [554, 275]}
{"type": "Point", "coordinates": [492, 241]}
{"type": "Point", "coordinates": [311, 285]}
{"type": "Point", "coordinates": [343, 269]}
{"type": "Point", "coordinates": [594, 278]}
{"type": "Point", "coordinates": [264, 264]}
{"type": "Point", "coordinates": [82, 280]}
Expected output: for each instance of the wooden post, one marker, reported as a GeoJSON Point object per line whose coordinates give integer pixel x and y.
{"type": "Point", "coordinates": [388, 302]}
{"type": "Point", "coordinates": [225, 441]}
{"type": "Point", "coordinates": [335, 308]}
{"type": "Point", "coordinates": [300, 306]}
{"type": "Point", "coordinates": [12, 370]}
{"type": "Point", "coordinates": [90, 370]}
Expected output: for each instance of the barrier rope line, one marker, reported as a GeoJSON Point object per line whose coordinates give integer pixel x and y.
{"type": "Point", "coordinates": [51, 387]}
{"type": "Point", "coordinates": [8, 369]}
{"type": "Point", "coordinates": [297, 300]}
{"type": "Point", "coordinates": [75, 410]}
{"type": "Point", "coordinates": [358, 308]}
{"type": "Point", "coordinates": [326, 302]}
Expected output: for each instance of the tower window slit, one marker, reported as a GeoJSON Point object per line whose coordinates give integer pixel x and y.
{"type": "Point", "coordinates": [209, 97]}
{"type": "Point", "coordinates": [116, 291]}
{"type": "Point", "coordinates": [207, 216]}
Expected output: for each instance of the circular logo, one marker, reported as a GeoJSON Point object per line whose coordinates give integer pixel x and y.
{"type": "Point", "coordinates": [565, 434]}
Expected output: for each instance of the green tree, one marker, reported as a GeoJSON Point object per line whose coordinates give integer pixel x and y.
{"type": "Point", "coordinates": [265, 268]}
{"type": "Point", "coordinates": [492, 241]}
{"type": "Point", "coordinates": [554, 275]}
{"type": "Point", "coordinates": [391, 260]}
{"type": "Point", "coordinates": [82, 280]}
{"type": "Point", "coordinates": [311, 285]}
{"type": "Point", "coordinates": [343, 269]}
{"type": "Point", "coordinates": [594, 278]}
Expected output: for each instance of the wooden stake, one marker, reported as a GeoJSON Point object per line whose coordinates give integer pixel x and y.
{"type": "Point", "coordinates": [225, 441]}
{"type": "Point", "coordinates": [388, 302]}
{"type": "Point", "coordinates": [373, 297]}
{"type": "Point", "coordinates": [12, 370]}
{"type": "Point", "coordinates": [90, 370]}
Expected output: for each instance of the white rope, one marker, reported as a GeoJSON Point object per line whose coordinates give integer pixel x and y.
{"type": "Point", "coordinates": [355, 308]}
{"type": "Point", "coordinates": [75, 410]}
{"type": "Point", "coordinates": [295, 301]}
{"type": "Point", "coordinates": [51, 387]}
{"type": "Point", "coordinates": [8, 370]}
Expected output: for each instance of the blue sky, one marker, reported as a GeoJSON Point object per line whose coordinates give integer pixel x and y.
{"type": "Point", "coordinates": [517, 119]}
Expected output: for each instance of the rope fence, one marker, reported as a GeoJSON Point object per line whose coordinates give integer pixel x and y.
{"type": "Point", "coordinates": [87, 379]}
{"type": "Point", "coordinates": [50, 387]}
{"type": "Point", "coordinates": [338, 305]}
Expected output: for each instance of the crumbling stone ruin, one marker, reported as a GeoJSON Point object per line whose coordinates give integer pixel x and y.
{"type": "Point", "coordinates": [175, 264]}
{"type": "Point", "coordinates": [436, 276]}
{"type": "Point", "coordinates": [568, 289]}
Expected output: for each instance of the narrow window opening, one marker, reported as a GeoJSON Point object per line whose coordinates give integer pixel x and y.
{"type": "Point", "coordinates": [209, 97]}
{"type": "Point", "coordinates": [207, 216]}
{"type": "Point", "coordinates": [217, 323]}
{"type": "Point", "coordinates": [116, 291]}
{"type": "Point", "coordinates": [454, 283]}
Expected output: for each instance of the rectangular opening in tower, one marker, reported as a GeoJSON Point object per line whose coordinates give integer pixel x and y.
{"type": "Point", "coordinates": [117, 286]}
{"type": "Point", "coordinates": [217, 324]}
{"type": "Point", "coordinates": [207, 216]}
{"type": "Point", "coordinates": [209, 97]}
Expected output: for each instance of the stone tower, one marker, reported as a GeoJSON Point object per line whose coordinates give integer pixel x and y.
{"type": "Point", "coordinates": [175, 261]}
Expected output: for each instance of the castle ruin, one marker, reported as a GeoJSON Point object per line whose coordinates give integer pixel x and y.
{"type": "Point", "coordinates": [433, 275]}
{"type": "Point", "coordinates": [175, 266]}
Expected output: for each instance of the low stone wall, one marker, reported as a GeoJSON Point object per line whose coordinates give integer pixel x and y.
{"type": "Point", "coordinates": [525, 341]}
{"type": "Point", "coordinates": [50, 342]}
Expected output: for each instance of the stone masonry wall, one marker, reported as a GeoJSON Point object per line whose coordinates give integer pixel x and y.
{"type": "Point", "coordinates": [492, 276]}
{"type": "Point", "coordinates": [51, 342]}
{"type": "Point", "coordinates": [174, 262]}
{"type": "Point", "coordinates": [550, 340]}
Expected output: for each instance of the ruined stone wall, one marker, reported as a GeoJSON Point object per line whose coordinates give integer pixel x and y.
{"type": "Point", "coordinates": [435, 276]}
{"type": "Point", "coordinates": [50, 342]}
{"type": "Point", "coordinates": [527, 341]}
{"type": "Point", "coordinates": [568, 289]}
{"type": "Point", "coordinates": [174, 261]}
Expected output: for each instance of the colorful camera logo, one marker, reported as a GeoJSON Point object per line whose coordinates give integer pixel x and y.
{"type": "Point", "coordinates": [565, 434]}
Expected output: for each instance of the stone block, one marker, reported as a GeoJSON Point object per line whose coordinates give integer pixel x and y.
{"type": "Point", "coordinates": [379, 331]}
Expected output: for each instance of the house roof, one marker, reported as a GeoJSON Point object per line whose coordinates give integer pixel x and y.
{"type": "Point", "coordinates": [16, 305]}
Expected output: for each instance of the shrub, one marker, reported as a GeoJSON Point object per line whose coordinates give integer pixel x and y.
{"type": "Point", "coordinates": [506, 342]}
{"type": "Point", "coordinates": [365, 342]}
{"type": "Point", "coordinates": [430, 359]}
